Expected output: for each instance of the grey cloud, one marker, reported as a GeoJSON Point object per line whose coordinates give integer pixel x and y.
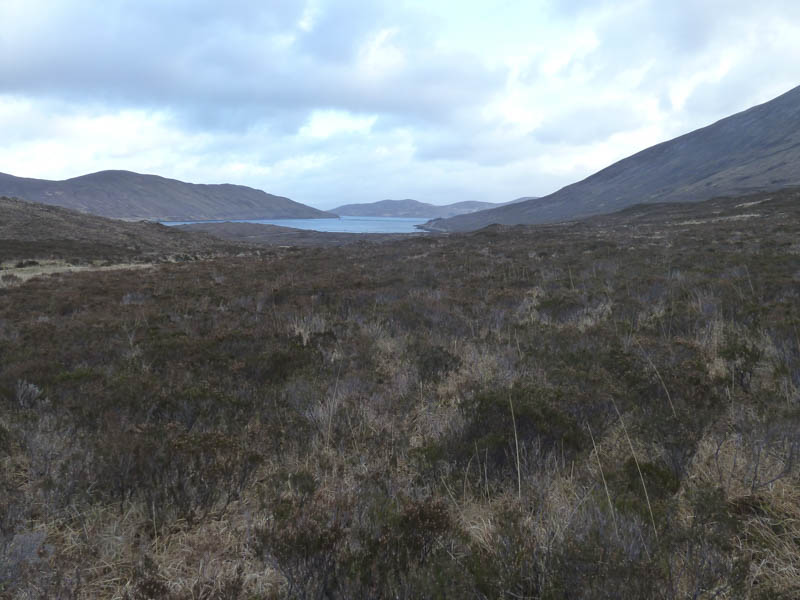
{"type": "Point", "coordinates": [244, 72]}
{"type": "Point", "coordinates": [575, 8]}
{"type": "Point", "coordinates": [746, 85]}
{"type": "Point", "coordinates": [224, 65]}
{"type": "Point", "coordinates": [477, 147]}
{"type": "Point", "coordinates": [674, 41]}
{"type": "Point", "coordinates": [342, 25]}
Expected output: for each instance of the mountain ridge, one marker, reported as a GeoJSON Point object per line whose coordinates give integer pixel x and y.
{"type": "Point", "coordinates": [409, 208]}
{"type": "Point", "coordinates": [128, 195]}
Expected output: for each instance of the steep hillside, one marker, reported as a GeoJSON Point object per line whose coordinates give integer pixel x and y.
{"type": "Point", "coordinates": [127, 195]}
{"type": "Point", "coordinates": [411, 209]}
{"type": "Point", "coordinates": [755, 150]}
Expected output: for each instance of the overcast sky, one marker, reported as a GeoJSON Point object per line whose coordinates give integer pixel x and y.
{"type": "Point", "coordinates": [338, 101]}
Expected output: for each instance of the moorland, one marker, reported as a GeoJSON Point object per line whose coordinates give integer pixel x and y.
{"type": "Point", "coordinates": [594, 409]}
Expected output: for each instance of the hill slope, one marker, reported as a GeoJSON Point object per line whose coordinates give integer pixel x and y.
{"type": "Point", "coordinates": [127, 195]}
{"type": "Point", "coordinates": [29, 230]}
{"type": "Point", "coordinates": [411, 209]}
{"type": "Point", "coordinates": [755, 150]}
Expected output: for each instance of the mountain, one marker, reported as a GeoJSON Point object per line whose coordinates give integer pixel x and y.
{"type": "Point", "coordinates": [518, 200]}
{"type": "Point", "coordinates": [127, 195]}
{"type": "Point", "coordinates": [411, 209]}
{"type": "Point", "coordinates": [754, 150]}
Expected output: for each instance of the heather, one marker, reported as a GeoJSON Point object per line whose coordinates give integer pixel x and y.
{"type": "Point", "coordinates": [598, 409]}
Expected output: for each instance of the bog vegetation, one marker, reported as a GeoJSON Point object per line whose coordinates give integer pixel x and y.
{"type": "Point", "coordinates": [593, 410]}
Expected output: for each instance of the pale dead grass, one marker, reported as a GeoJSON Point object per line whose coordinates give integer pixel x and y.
{"type": "Point", "coordinates": [106, 534]}
{"type": "Point", "coordinates": [757, 484]}
{"type": "Point", "coordinates": [614, 449]}
{"type": "Point", "coordinates": [754, 203]}
{"type": "Point", "coordinates": [558, 504]}
{"type": "Point", "coordinates": [106, 544]}
{"type": "Point", "coordinates": [429, 420]}
{"type": "Point", "coordinates": [592, 316]}
{"type": "Point", "coordinates": [709, 339]}
{"type": "Point", "coordinates": [202, 559]}
{"type": "Point", "coordinates": [479, 367]}
{"type": "Point", "coordinates": [307, 325]}
{"type": "Point", "coordinates": [719, 219]}
{"type": "Point", "coordinates": [476, 520]}
{"type": "Point", "coordinates": [389, 353]}
{"type": "Point", "coordinates": [772, 540]}
{"type": "Point", "coordinates": [588, 317]}
{"type": "Point", "coordinates": [59, 267]}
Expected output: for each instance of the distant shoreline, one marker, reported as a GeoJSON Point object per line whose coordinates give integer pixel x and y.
{"type": "Point", "coordinates": [341, 224]}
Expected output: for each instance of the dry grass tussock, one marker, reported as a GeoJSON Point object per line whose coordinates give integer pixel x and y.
{"type": "Point", "coordinates": [760, 483]}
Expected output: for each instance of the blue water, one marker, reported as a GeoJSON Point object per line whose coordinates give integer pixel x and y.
{"type": "Point", "coordinates": [341, 225]}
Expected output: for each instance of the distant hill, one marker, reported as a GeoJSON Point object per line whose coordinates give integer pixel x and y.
{"type": "Point", "coordinates": [410, 209]}
{"type": "Point", "coordinates": [755, 150]}
{"type": "Point", "coordinates": [32, 230]}
{"type": "Point", "coordinates": [274, 235]}
{"type": "Point", "coordinates": [127, 195]}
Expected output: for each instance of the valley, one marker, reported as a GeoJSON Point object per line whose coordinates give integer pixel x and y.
{"type": "Point", "coordinates": [607, 405]}
{"type": "Point", "coordinates": [320, 300]}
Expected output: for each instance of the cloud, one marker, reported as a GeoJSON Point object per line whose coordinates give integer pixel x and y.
{"type": "Point", "coordinates": [224, 65]}
{"type": "Point", "coordinates": [587, 124]}
{"type": "Point", "coordinates": [329, 101]}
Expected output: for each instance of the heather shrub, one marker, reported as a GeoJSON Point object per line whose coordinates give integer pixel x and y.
{"type": "Point", "coordinates": [594, 410]}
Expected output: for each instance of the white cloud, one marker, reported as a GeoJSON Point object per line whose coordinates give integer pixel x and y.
{"type": "Point", "coordinates": [325, 123]}
{"type": "Point", "coordinates": [309, 16]}
{"type": "Point", "coordinates": [334, 100]}
{"type": "Point", "coordinates": [63, 143]}
{"type": "Point", "coordinates": [379, 56]}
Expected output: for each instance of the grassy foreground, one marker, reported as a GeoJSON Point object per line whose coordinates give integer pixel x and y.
{"type": "Point", "coordinates": [597, 410]}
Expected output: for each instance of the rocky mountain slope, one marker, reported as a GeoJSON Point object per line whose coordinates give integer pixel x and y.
{"type": "Point", "coordinates": [755, 150]}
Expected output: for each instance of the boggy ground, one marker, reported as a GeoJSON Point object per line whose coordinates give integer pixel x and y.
{"type": "Point", "coordinates": [602, 409]}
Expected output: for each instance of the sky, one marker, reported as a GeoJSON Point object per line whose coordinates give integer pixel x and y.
{"type": "Point", "coordinates": [332, 102]}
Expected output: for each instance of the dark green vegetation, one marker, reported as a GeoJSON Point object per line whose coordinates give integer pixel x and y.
{"type": "Point", "coordinates": [605, 409]}
{"type": "Point", "coordinates": [754, 150]}
{"type": "Point", "coordinates": [127, 195]}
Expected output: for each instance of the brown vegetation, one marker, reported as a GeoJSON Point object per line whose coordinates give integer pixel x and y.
{"type": "Point", "coordinates": [41, 233]}
{"type": "Point", "coordinates": [278, 235]}
{"type": "Point", "coordinates": [595, 410]}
